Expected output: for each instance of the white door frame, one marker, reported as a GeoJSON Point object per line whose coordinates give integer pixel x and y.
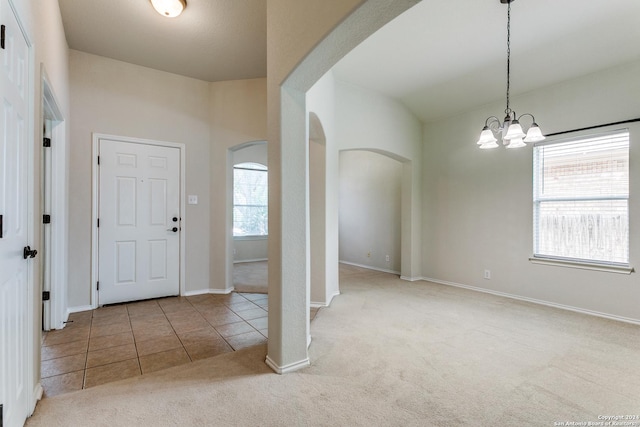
{"type": "Point", "coordinates": [95, 198]}
{"type": "Point", "coordinates": [55, 253]}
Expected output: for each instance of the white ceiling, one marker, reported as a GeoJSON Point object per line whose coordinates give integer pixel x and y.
{"type": "Point", "coordinates": [439, 58]}
{"type": "Point", "coordinates": [212, 40]}
{"type": "Point", "coordinates": [443, 57]}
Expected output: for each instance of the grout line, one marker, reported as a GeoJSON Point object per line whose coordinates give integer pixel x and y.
{"type": "Point", "coordinates": [176, 332]}
{"type": "Point", "coordinates": [224, 304]}
{"type": "Point", "coordinates": [86, 356]}
{"type": "Point", "coordinates": [133, 335]}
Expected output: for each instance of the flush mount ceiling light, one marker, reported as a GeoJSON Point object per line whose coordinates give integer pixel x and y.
{"type": "Point", "coordinates": [169, 8]}
{"type": "Point", "coordinates": [510, 129]}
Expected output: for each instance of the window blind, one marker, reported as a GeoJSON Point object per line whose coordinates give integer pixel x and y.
{"type": "Point", "coordinates": [580, 199]}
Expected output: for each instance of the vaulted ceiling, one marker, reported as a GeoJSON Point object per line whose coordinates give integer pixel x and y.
{"type": "Point", "coordinates": [439, 58]}
{"type": "Point", "coordinates": [212, 40]}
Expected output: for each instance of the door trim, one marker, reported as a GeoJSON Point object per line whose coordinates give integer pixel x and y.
{"type": "Point", "coordinates": [95, 197]}
{"type": "Point", "coordinates": [58, 243]}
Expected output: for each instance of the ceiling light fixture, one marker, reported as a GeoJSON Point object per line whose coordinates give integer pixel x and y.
{"type": "Point", "coordinates": [169, 8]}
{"type": "Point", "coordinates": [510, 129]}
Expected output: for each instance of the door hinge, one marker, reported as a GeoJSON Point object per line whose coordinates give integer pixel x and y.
{"type": "Point", "coordinates": [2, 30]}
{"type": "Point", "coordinates": [46, 142]}
{"type": "Point", "coordinates": [1, 226]}
{"type": "Point", "coordinates": [97, 286]}
{"type": "Point", "coordinates": [98, 159]}
{"type": "Point", "coordinates": [1, 411]}
{"type": "Point", "coordinates": [98, 222]}
{"type": "Point", "coordinates": [46, 219]}
{"type": "Point", "coordinates": [46, 295]}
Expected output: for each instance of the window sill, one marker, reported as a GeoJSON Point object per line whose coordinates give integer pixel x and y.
{"type": "Point", "coordinates": [250, 237]}
{"type": "Point", "coordinates": [621, 269]}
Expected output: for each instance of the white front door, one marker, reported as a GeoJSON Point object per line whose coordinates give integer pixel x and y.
{"type": "Point", "coordinates": [15, 307]}
{"type": "Point", "coordinates": [139, 221]}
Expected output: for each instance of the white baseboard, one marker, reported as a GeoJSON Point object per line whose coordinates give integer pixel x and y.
{"type": "Point", "coordinates": [38, 392]}
{"type": "Point", "coordinates": [78, 309]}
{"type": "Point", "coordinates": [222, 291]}
{"type": "Point", "coordinates": [537, 301]}
{"type": "Point", "coordinates": [369, 267]}
{"type": "Point", "coordinates": [286, 368]}
{"type": "Point", "coordinates": [411, 279]}
{"type": "Point", "coordinates": [314, 304]}
{"type": "Point", "coordinates": [249, 260]}
{"type": "Point", "coordinates": [209, 291]}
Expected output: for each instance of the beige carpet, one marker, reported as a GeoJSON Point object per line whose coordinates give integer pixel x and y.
{"type": "Point", "coordinates": [393, 353]}
{"type": "Point", "coordinates": [250, 277]}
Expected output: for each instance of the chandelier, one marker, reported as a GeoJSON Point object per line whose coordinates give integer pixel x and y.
{"type": "Point", "coordinates": [510, 130]}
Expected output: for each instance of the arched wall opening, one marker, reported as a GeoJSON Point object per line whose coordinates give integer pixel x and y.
{"type": "Point", "coordinates": [323, 243]}
{"type": "Point", "coordinates": [289, 247]}
{"type": "Point", "coordinates": [249, 251]}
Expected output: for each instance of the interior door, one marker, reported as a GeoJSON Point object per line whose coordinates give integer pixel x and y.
{"type": "Point", "coordinates": [15, 310]}
{"type": "Point", "coordinates": [139, 221]}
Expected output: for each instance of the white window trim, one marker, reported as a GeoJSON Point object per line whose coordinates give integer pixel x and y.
{"type": "Point", "coordinates": [258, 169]}
{"type": "Point", "coordinates": [256, 237]}
{"type": "Point", "coordinates": [621, 268]}
{"type": "Point", "coordinates": [584, 265]}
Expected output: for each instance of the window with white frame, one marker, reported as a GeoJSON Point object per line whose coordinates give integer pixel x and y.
{"type": "Point", "coordinates": [250, 200]}
{"type": "Point", "coordinates": [581, 199]}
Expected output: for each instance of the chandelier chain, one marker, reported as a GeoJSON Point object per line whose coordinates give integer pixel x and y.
{"type": "Point", "coordinates": [508, 110]}
{"type": "Point", "coordinates": [509, 130]}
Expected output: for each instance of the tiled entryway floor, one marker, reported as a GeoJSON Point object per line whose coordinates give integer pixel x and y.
{"type": "Point", "coordinates": [122, 341]}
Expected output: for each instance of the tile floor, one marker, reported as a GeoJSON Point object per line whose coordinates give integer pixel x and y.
{"type": "Point", "coordinates": [122, 341]}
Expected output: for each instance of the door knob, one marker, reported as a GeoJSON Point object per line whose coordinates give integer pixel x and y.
{"type": "Point", "coordinates": [28, 252]}
{"type": "Point", "coordinates": [174, 229]}
{"type": "Point", "coordinates": [175, 219]}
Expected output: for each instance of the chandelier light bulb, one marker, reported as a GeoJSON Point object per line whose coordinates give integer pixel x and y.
{"type": "Point", "coordinates": [488, 145]}
{"type": "Point", "coordinates": [516, 143]}
{"type": "Point", "coordinates": [534, 134]}
{"type": "Point", "coordinates": [486, 137]}
{"type": "Point", "coordinates": [514, 131]}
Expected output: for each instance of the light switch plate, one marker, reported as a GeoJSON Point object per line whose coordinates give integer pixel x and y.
{"type": "Point", "coordinates": [193, 199]}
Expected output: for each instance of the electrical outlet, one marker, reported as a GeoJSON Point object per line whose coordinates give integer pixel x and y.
{"type": "Point", "coordinates": [386, 258]}
{"type": "Point", "coordinates": [487, 274]}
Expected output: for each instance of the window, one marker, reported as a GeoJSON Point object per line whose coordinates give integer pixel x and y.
{"type": "Point", "coordinates": [581, 199]}
{"type": "Point", "coordinates": [250, 199]}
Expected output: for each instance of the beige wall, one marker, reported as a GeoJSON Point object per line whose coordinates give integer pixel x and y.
{"type": "Point", "coordinates": [323, 192]}
{"type": "Point", "coordinates": [238, 116]}
{"type": "Point", "coordinates": [367, 120]}
{"type": "Point", "coordinates": [113, 97]}
{"type": "Point", "coordinates": [117, 98]}
{"type": "Point", "coordinates": [370, 210]}
{"type": "Point", "coordinates": [478, 203]}
{"type": "Point", "coordinates": [304, 40]}
{"type": "Point", "coordinates": [293, 30]}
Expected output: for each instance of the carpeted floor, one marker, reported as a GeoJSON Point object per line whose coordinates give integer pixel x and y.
{"type": "Point", "coordinates": [250, 277]}
{"type": "Point", "coordinates": [393, 353]}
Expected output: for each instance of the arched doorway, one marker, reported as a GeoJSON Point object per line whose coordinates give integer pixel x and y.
{"type": "Point", "coordinates": [247, 207]}
{"type": "Point", "coordinates": [289, 248]}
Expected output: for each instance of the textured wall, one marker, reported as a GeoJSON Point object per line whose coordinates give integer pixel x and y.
{"type": "Point", "coordinates": [478, 203]}
{"type": "Point", "coordinates": [117, 98]}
